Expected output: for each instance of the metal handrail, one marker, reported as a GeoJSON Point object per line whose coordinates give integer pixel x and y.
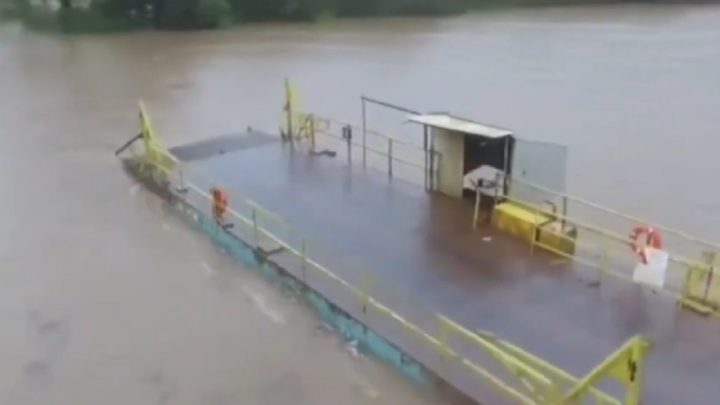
{"type": "Point", "coordinates": [666, 229]}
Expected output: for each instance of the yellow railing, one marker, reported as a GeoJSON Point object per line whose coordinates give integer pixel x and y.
{"type": "Point", "coordinates": [396, 158]}
{"type": "Point", "coordinates": [607, 248]}
{"type": "Point", "coordinates": [511, 371]}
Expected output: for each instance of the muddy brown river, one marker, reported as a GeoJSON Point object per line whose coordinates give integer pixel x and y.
{"type": "Point", "coordinates": [106, 298]}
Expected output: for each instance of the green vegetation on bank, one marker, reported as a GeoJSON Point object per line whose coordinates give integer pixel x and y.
{"type": "Point", "coordinates": [104, 15]}
{"type": "Point", "coordinates": [8, 10]}
{"type": "Point", "coordinates": [118, 15]}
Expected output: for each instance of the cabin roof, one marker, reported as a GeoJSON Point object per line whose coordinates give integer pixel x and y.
{"type": "Point", "coordinates": [456, 124]}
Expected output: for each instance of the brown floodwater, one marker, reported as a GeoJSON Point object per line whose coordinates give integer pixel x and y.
{"type": "Point", "coordinates": [106, 298]}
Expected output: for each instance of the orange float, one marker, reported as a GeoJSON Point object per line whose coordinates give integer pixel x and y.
{"type": "Point", "coordinates": [642, 237]}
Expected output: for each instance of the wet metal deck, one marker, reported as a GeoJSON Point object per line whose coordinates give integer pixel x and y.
{"type": "Point", "coordinates": [422, 246]}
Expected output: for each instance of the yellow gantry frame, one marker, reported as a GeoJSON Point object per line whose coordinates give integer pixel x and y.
{"type": "Point", "coordinates": [155, 152]}
{"type": "Point", "coordinates": [546, 383]}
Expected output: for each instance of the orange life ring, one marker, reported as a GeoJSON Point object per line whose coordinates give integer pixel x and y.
{"type": "Point", "coordinates": [220, 203]}
{"type": "Point", "coordinates": [650, 235]}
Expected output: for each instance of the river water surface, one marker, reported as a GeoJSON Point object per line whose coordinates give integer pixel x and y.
{"type": "Point", "coordinates": [103, 299]}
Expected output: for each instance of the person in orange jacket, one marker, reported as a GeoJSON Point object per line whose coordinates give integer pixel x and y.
{"type": "Point", "coordinates": [220, 203]}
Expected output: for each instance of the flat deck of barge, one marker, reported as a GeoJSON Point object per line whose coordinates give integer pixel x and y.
{"type": "Point", "coordinates": [401, 241]}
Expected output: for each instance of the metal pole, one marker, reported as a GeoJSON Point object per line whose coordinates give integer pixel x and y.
{"type": "Point", "coordinates": [348, 137]}
{"type": "Point", "coordinates": [425, 148]}
{"type": "Point", "coordinates": [477, 207]}
{"type": "Point", "coordinates": [390, 148]}
{"type": "Point", "coordinates": [506, 164]}
{"type": "Point", "coordinates": [390, 105]}
{"type": "Point", "coordinates": [288, 100]}
{"type": "Point", "coordinates": [312, 132]}
{"type": "Point", "coordinates": [255, 227]}
{"type": "Point", "coordinates": [496, 186]}
{"type": "Point", "coordinates": [365, 292]}
{"type": "Point", "coordinates": [432, 160]}
{"type": "Point", "coordinates": [364, 131]}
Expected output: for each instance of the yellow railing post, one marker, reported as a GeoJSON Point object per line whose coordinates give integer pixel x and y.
{"type": "Point", "coordinates": [709, 269]}
{"type": "Point", "coordinates": [365, 292]}
{"type": "Point", "coordinates": [443, 338]}
{"type": "Point", "coordinates": [685, 296]}
{"type": "Point", "coordinates": [390, 152]}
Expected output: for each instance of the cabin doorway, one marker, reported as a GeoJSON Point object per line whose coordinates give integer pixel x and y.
{"type": "Point", "coordinates": [485, 162]}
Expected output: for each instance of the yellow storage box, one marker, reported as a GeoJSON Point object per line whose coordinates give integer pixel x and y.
{"type": "Point", "coordinates": [536, 227]}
